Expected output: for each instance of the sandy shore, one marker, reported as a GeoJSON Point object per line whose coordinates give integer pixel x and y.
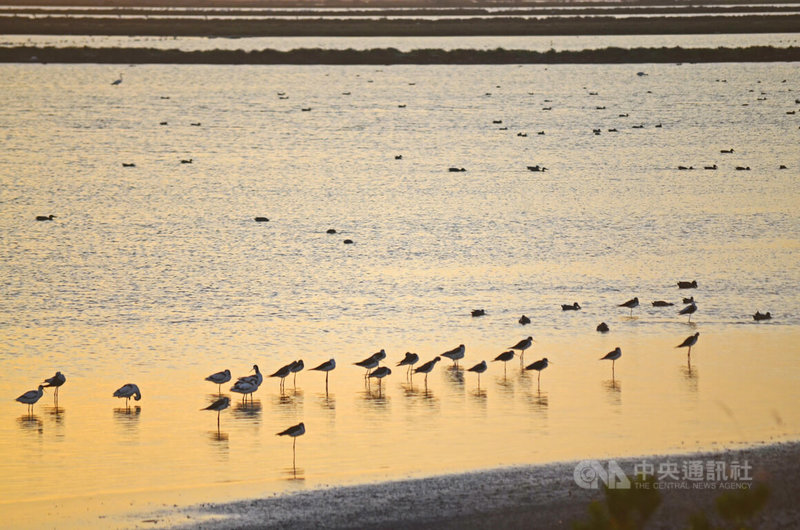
{"type": "Point", "coordinates": [542, 496]}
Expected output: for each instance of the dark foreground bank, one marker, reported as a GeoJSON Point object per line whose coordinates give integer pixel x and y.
{"type": "Point", "coordinates": [24, 54]}
{"type": "Point", "coordinates": [545, 496]}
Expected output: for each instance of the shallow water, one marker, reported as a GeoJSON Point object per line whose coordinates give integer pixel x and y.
{"type": "Point", "coordinates": [157, 274]}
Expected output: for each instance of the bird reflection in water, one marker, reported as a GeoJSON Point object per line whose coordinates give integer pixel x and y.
{"type": "Point", "coordinates": [294, 474]}
{"type": "Point", "coordinates": [56, 414]}
{"type": "Point", "coordinates": [128, 417]}
{"type": "Point", "coordinates": [249, 410]}
{"type": "Point", "coordinates": [375, 398]}
{"type": "Point", "coordinates": [219, 439]}
{"type": "Point", "coordinates": [613, 389]}
{"type": "Point", "coordinates": [506, 386]}
{"type": "Point", "coordinates": [31, 423]}
{"type": "Point", "coordinates": [690, 375]}
{"type": "Point", "coordinates": [327, 401]}
{"type": "Point", "coordinates": [291, 398]}
{"type": "Point", "coordinates": [539, 400]}
{"type": "Point", "coordinates": [455, 375]}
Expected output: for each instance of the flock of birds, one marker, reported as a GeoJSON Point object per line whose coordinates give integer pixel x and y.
{"type": "Point", "coordinates": [249, 384]}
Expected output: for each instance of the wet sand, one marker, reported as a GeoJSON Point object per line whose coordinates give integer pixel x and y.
{"type": "Point", "coordinates": [544, 496]}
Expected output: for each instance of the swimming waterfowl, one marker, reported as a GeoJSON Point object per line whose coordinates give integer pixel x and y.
{"type": "Point", "coordinates": [762, 316]}
{"type": "Point", "coordinates": [662, 303]}
{"type": "Point", "coordinates": [524, 320]}
{"type": "Point", "coordinates": [602, 327]}
{"type": "Point", "coordinates": [45, 217]}
{"type": "Point", "coordinates": [261, 219]}
{"type": "Point", "coordinates": [478, 312]}
{"type": "Point", "coordinates": [688, 285]}
{"type": "Point", "coordinates": [573, 307]}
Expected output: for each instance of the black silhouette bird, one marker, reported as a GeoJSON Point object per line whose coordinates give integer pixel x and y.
{"type": "Point", "coordinates": [690, 341]}
{"type": "Point", "coordinates": [573, 307]}
{"type": "Point", "coordinates": [630, 304]}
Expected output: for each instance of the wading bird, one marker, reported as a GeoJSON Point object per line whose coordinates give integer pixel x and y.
{"type": "Point", "coordinates": [538, 366]}
{"type": "Point", "coordinates": [630, 304]}
{"type": "Point", "coordinates": [219, 405]}
{"type": "Point", "coordinates": [409, 360]}
{"type": "Point", "coordinates": [427, 368]}
{"type": "Point", "coordinates": [505, 357]}
{"type": "Point", "coordinates": [326, 367]}
{"type": "Point", "coordinates": [127, 391]}
{"type": "Point", "coordinates": [219, 378]}
{"type": "Point", "coordinates": [612, 356]}
{"type": "Point", "coordinates": [478, 369]}
{"type": "Point", "coordinates": [455, 354]}
{"type": "Point", "coordinates": [688, 310]}
{"type": "Point", "coordinates": [56, 381]}
{"type": "Point", "coordinates": [688, 342]}
{"type": "Point", "coordinates": [522, 345]}
{"type": "Point", "coordinates": [294, 431]}
{"type": "Point", "coordinates": [30, 397]}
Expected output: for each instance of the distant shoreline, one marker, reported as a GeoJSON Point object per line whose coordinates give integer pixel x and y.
{"type": "Point", "coordinates": [385, 56]}
{"type": "Point", "coordinates": [406, 27]}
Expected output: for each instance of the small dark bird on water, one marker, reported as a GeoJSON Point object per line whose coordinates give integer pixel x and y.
{"type": "Point", "coordinates": [524, 320]}
{"type": "Point", "coordinates": [45, 217]}
{"type": "Point", "coordinates": [478, 312]}
{"type": "Point", "coordinates": [261, 219]}
{"type": "Point", "coordinates": [602, 327]}
{"type": "Point", "coordinates": [662, 303]}
{"type": "Point", "coordinates": [573, 307]}
{"type": "Point", "coordinates": [348, 241]}
{"type": "Point", "coordinates": [689, 300]}
{"type": "Point", "coordinates": [688, 285]}
{"type": "Point", "coordinates": [762, 316]}
{"type": "Point", "coordinates": [330, 231]}
{"type": "Point", "coordinates": [128, 164]}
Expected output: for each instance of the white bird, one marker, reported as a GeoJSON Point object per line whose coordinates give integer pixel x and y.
{"type": "Point", "coordinates": [127, 391]}
{"type": "Point", "coordinates": [117, 81]}
{"type": "Point", "coordinates": [246, 388]}
{"type": "Point", "coordinates": [30, 397]}
{"type": "Point", "coordinates": [326, 367]}
{"type": "Point", "coordinates": [219, 378]}
{"type": "Point", "coordinates": [455, 354]}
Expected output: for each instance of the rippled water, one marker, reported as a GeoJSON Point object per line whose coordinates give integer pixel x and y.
{"type": "Point", "coordinates": [533, 43]}
{"type": "Point", "coordinates": [157, 274]}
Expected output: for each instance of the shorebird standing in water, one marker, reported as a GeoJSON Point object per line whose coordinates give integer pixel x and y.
{"type": "Point", "coordinates": [283, 372]}
{"type": "Point", "coordinates": [56, 381]}
{"type": "Point", "coordinates": [219, 378]}
{"type": "Point", "coordinates": [295, 367]}
{"type": "Point", "coordinates": [522, 345]}
{"type": "Point", "coordinates": [478, 369]}
{"type": "Point", "coordinates": [612, 356]}
{"type": "Point", "coordinates": [31, 397]}
{"type": "Point", "coordinates": [455, 354]}
{"type": "Point", "coordinates": [371, 362]}
{"type": "Point", "coordinates": [127, 391]}
{"type": "Point", "coordinates": [219, 405]}
{"type": "Point", "coordinates": [688, 310]}
{"type": "Point", "coordinates": [294, 431]}
{"type": "Point", "coordinates": [630, 304]}
{"type": "Point", "coordinates": [409, 360]}
{"type": "Point", "coordinates": [379, 373]}
{"type": "Point", "coordinates": [539, 365]}
{"type": "Point", "coordinates": [505, 357]}
{"type": "Point", "coordinates": [326, 367]}
{"type": "Point", "coordinates": [427, 368]}
{"type": "Point", "coordinates": [690, 341]}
